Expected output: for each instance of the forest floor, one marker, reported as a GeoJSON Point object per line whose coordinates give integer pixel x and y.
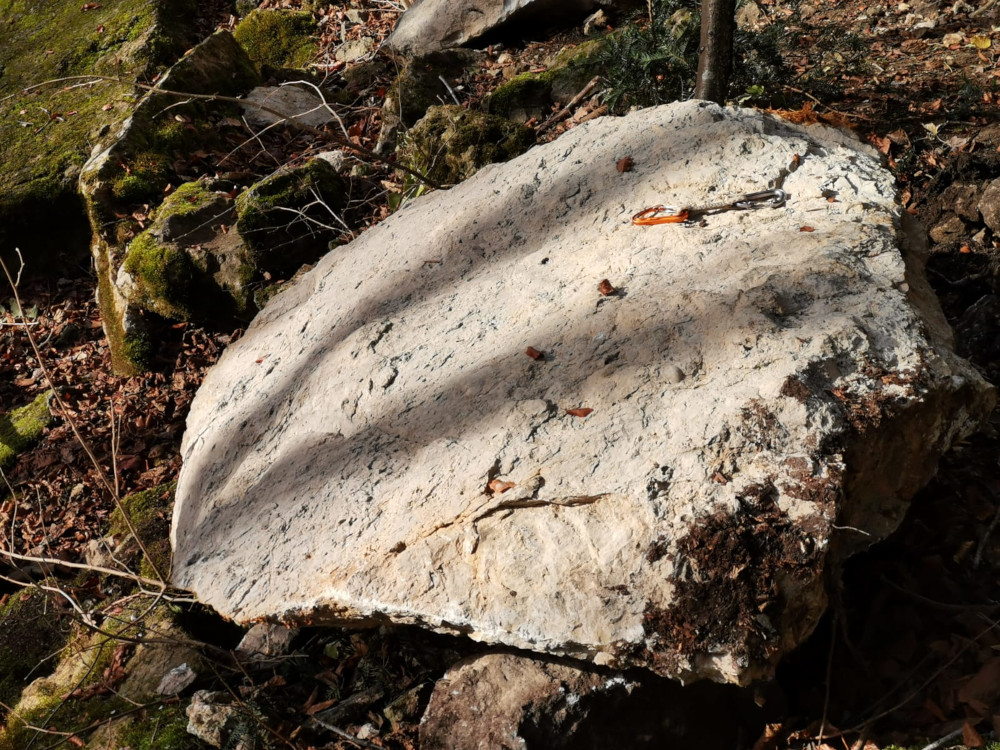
{"type": "Point", "coordinates": [908, 652]}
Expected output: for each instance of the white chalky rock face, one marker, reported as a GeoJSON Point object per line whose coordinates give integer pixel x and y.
{"type": "Point", "coordinates": [379, 447]}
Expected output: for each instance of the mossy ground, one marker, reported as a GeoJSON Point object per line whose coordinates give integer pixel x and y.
{"type": "Point", "coordinates": [149, 511]}
{"type": "Point", "coordinates": [80, 694]}
{"type": "Point", "coordinates": [48, 133]}
{"type": "Point", "coordinates": [278, 39]}
{"type": "Point", "coordinates": [32, 629]}
{"type": "Point", "coordinates": [22, 428]}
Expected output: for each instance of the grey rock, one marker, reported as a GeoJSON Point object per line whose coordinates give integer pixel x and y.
{"type": "Point", "coordinates": [962, 199]}
{"type": "Point", "coordinates": [266, 105]}
{"type": "Point", "coordinates": [377, 446]}
{"type": "Point", "coordinates": [430, 25]}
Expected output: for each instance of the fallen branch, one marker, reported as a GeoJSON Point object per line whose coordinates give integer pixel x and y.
{"type": "Point", "coordinates": [568, 109]}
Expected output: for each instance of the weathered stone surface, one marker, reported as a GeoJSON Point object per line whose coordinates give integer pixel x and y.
{"type": "Point", "coordinates": [267, 105]}
{"type": "Point", "coordinates": [430, 25]}
{"type": "Point", "coordinates": [963, 199]}
{"type": "Point", "coordinates": [513, 701]}
{"type": "Point", "coordinates": [948, 229]}
{"type": "Point", "coordinates": [378, 446]}
{"type": "Point", "coordinates": [989, 205]}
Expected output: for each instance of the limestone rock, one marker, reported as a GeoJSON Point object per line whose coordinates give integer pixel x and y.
{"type": "Point", "coordinates": [948, 229]}
{"type": "Point", "coordinates": [378, 446]}
{"type": "Point", "coordinates": [267, 105]}
{"type": "Point", "coordinates": [430, 25]}
{"type": "Point", "coordinates": [512, 701]}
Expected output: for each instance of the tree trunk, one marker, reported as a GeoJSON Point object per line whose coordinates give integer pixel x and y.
{"type": "Point", "coordinates": [715, 54]}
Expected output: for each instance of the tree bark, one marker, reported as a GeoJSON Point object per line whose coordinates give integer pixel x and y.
{"type": "Point", "coordinates": [715, 53]}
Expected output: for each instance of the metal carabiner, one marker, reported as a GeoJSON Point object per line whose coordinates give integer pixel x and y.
{"type": "Point", "coordinates": [661, 215]}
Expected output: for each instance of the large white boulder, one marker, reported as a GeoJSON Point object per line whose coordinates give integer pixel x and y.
{"type": "Point", "coordinates": [768, 389]}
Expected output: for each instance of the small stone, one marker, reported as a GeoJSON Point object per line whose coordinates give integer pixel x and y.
{"type": "Point", "coordinates": [335, 159]}
{"type": "Point", "coordinates": [950, 40]}
{"type": "Point", "coordinates": [267, 639]}
{"type": "Point", "coordinates": [595, 22]}
{"type": "Point", "coordinates": [673, 374]}
{"type": "Point", "coordinates": [367, 731]}
{"type": "Point", "coordinates": [950, 228]}
{"type": "Point", "coordinates": [176, 680]}
{"type": "Point", "coordinates": [963, 199]}
{"type": "Point", "coordinates": [207, 715]}
{"type": "Point", "coordinates": [355, 49]}
{"type": "Point", "coordinates": [989, 205]}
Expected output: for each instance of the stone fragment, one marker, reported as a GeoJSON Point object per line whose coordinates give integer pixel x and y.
{"type": "Point", "coordinates": [989, 205]}
{"type": "Point", "coordinates": [355, 49]}
{"type": "Point", "coordinates": [511, 701]}
{"type": "Point", "coordinates": [430, 25]}
{"type": "Point", "coordinates": [962, 199]}
{"type": "Point", "coordinates": [176, 680]}
{"type": "Point", "coordinates": [266, 640]}
{"type": "Point", "coordinates": [377, 447]}
{"type": "Point", "coordinates": [266, 105]}
{"type": "Point", "coordinates": [948, 229]}
{"type": "Point", "coordinates": [207, 715]}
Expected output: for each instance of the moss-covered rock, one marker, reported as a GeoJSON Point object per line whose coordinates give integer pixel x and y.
{"type": "Point", "coordinates": [134, 165]}
{"type": "Point", "coordinates": [22, 428]}
{"type": "Point", "coordinates": [149, 511]}
{"type": "Point", "coordinates": [278, 39]}
{"type": "Point", "coordinates": [288, 219]}
{"type": "Point", "coordinates": [450, 143]}
{"type": "Point", "coordinates": [420, 85]}
{"type": "Point", "coordinates": [533, 95]}
{"type": "Point", "coordinates": [98, 675]}
{"type": "Point", "coordinates": [31, 629]}
{"type": "Point", "coordinates": [46, 133]}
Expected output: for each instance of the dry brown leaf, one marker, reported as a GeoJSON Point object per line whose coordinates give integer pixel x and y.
{"type": "Point", "coordinates": [581, 412]}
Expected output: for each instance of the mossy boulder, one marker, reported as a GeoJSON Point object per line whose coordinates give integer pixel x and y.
{"type": "Point", "coordinates": [134, 165]}
{"type": "Point", "coordinates": [290, 218]}
{"type": "Point", "coordinates": [98, 676]}
{"type": "Point", "coordinates": [21, 428]}
{"type": "Point", "coordinates": [450, 143]}
{"type": "Point", "coordinates": [276, 39]}
{"type": "Point", "coordinates": [421, 85]}
{"type": "Point", "coordinates": [32, 627]}
{"type": "Point", "coordinates": [46, 133]}
{"type": "Point", "coordinates": [533, 95]}
{"type": "Point", "coordinates": [149, 511]}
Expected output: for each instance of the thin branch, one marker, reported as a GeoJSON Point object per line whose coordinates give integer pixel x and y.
{"type": "Point", "coordinates": [102, 476]}
{"type": "Point", "coordinates": [345, 142]}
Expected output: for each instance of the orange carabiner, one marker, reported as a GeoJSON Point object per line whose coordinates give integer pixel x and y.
{"type": "Point", "coordinates": [659, 215]}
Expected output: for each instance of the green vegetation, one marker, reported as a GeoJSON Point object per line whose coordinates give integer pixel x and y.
{"type": "Point", "coordinates": [278, 39]}
{"type": "Point", "coordinates": [450, 143]}
{"type": "Point", "coordinates": [30, 632]}
{"type": "Point", "coordinates": [47, 134]}
{"type": "Point", "coordinates": [143, 180]}
{"type": "Point", "coordinates": [283, 218]}
{"type": "Point", "coordinates": [163, 277]}
{"type": "Point", "coordinates": [149, 511]}
{"type": "Point", "coordinates": [646, 64]}
{"type": "Point", "coordinates": [22, 428]}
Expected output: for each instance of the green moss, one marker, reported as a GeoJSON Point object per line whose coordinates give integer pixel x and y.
{"type": "Point", "coordinates": [144, 179]}
{"type": "Point", "coordinates": [30, 632]}
{"type": "Point", "coordinates": [81, 666]}
{"type": "Point", "coordinates": [276, 243]}
{"type": "Point", "coordinates": [47, 134]}
{"type": "Point", "coordinates": [521, 93]}
{"type": "Point", "coordinates": [278, 39]}
{"type": "Point", "coordinates": [165, 729]}
{"type": "Point", "coordinates": [189, 198]}
{"type": "Point", "coordinates": [163, 277]}
{"type": "Point", "coordinates": [450, 143]}
{"type": "Point", "coordinates": [22, 428]}
{"type": "Point", "coordinates": [149, 512]}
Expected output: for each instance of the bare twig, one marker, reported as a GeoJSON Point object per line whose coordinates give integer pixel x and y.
{"type": "Point", "coordinates": [944, 740]}
{"type": "Point", "coordinates": [345, 142]}
{"type": "Point", "coordinates": [568, 109]}
{"type": "Point", "coordinates": [101, 474]}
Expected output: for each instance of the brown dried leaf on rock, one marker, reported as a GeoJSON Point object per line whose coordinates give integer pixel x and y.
{"type": "Point", "coordinates": [625, 164]}
{"type": "Point", "coordinates": [581, 412]}
{"type": "Point", "coordinates": [534, 353]}
{"type": "Point", "coordinates": [606, 288]}
{"type": "Point", "coordinates": [498, 486]}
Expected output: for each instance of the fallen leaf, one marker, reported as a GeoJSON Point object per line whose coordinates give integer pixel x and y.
{"type": "Point", "coordinates": [606, 287]}
{"type": "Point", "coordinates": [971, 737]}
{"type": "Point", "coordinates": [534, 353]}
{"type": "Point", "coordinates": [807, 229]}
{"type": "Point", "coordinates": [625, 164]}
{"type": "Point", "coordinates": [981, 42]}
{"type": "Point", "coordinates": [90, 6]}
{"type": "Point", "coordinates": [964, 249]}
{"type": "Point", "coordinates": [582, 412]}
{"type": "Point", "coordinates": [931, 128]}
